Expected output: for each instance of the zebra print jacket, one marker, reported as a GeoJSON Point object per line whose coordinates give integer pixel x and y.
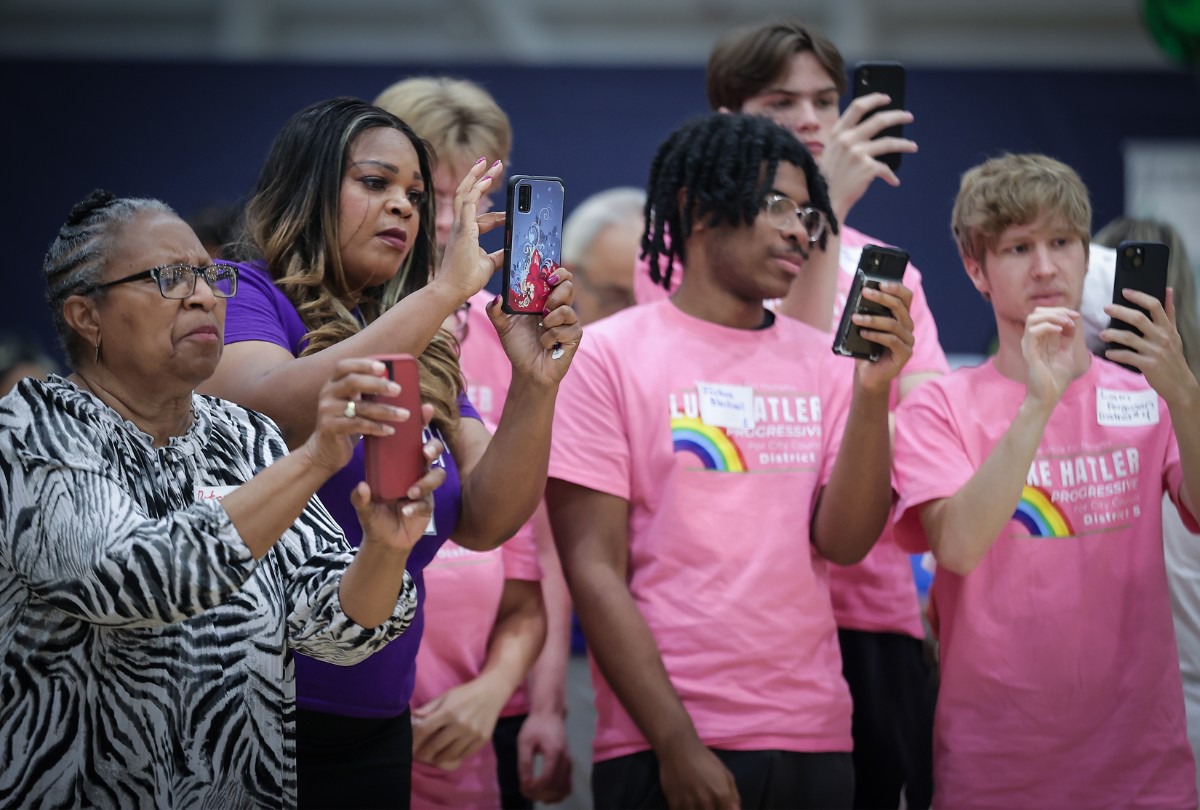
{"type": "Point", "coordinates": [146, 655]}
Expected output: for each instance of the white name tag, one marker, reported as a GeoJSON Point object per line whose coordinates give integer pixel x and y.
{"type": "Point", "coordinates": [213, 493]}
{"type": "Point", "coordinates": [726, 406]}
{"type": "Point", "coordinates": [1126, 408]}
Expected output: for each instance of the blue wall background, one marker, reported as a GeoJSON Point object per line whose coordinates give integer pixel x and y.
{"type": "Point", "coordinates": [195, 133]}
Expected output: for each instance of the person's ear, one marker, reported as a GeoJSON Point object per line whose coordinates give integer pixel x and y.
{"type": "Point", "coordinates": [977, 272]}
{"type": "Point", "coordinates": [83, 316]}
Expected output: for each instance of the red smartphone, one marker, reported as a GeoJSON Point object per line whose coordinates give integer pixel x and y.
{"type": "Point", "coordinates": [394, 463]}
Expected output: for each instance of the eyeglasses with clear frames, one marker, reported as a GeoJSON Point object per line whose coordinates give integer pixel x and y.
{"type": "Point", "coordinates": [784, 213]}
{"type": "Point", "coordinates": [179, 280]}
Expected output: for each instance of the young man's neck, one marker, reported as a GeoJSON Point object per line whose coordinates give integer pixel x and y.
{"type": "Point", "coordinates": [699, 297]}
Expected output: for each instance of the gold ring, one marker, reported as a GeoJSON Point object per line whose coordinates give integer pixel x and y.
{"type": "Point", "coordinates": [351, 410]}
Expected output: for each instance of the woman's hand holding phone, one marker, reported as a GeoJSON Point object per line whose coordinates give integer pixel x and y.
{"type": "Point", "coordinates": [398, 524]}
{"type": "Point", "coordinates": [540, 348]}
{"type": "Point", "coordinates": [340, 424]}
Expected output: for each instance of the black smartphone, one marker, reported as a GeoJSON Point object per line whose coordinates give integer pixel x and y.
{"type": "Point", "coordinates": [394, 463]}
{"type": "Point", "coordinates": [1140, 266]}
{"type": "Point", "coordinates": [882, 77]}
{"type": "Point", "coordinates": [532, 241]}
{"type": "Point", "coordinates": [877, 264]}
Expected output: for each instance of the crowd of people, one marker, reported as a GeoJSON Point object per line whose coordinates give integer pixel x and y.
{"type": "Point", "coordinates": [204, 604]}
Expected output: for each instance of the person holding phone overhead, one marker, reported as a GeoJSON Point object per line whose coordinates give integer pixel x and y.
{"type": "Point", "coordinates": [1036, 480]}
{"type": "Point", "coordinates": [341, 225]}
{"type": "Point", "coordinates": [709, 461]}
{"type": "Point", "coordinates": [488, 612]}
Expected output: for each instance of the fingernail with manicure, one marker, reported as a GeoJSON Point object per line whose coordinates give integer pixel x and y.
{"type": "Point", "coordinates": [553, 279]}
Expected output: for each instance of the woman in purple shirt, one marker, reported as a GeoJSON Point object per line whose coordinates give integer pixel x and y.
{"type": "Point", "coordinates": [341, 227]}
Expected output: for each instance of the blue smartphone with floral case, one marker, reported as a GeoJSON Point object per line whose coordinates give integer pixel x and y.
{"type": "Point", "coordinates": [532, 241]}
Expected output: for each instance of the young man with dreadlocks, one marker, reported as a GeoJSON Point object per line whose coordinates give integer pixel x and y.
{"type": "Point", "coordinates": [789, 73]}
{"type": "Point", "coordinates": [698, 493]}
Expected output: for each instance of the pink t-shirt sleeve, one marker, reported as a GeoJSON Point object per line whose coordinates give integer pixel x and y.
{"type": "Point", "coordinates": [520, 555]}
{"type": "Point", "coordinates": [590, 447]}
{"type": "Point", "coordinates": [837, 388]}
{"type": "Point", "coordinates": [927, 356]}
{"type": "Point", "coordinates": [929, 461]}
{"type": "Point", "coordinates": [1173, 480]}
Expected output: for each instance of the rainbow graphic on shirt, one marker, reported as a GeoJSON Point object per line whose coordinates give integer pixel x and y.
{"type": "Point", "coordinates": [711, 445]}
{"type": "Point", "coordinates": [1038, 514]}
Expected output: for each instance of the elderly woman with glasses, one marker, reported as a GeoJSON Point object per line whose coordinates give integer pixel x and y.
{"type": "Point", "coordinates": [161, 554]}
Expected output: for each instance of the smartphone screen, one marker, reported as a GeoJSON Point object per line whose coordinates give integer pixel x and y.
{"type": "Point", "coordinates": [882, 77]}
{"type": "Point", "coordinates": [877, 264]}
{"type": "Point", "coordinates": [1140, 266]}
{"type": "Point", "coordinates": [532, 241]}
{"type": "Point", "coordinates": [394, 463]}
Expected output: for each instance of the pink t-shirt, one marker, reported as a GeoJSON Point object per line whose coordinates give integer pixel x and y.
{"type": "Point", "coordinates": [877, 594]}
{"type": "Point", "coordinates": [463, 590]}
{"type": "Point", "coordinates": [720, 562]}
{"type": "Point", "coordinates": [1060, 682]}
{"type": "Point", "coordinates": [488, 373]}
{"type": "Point", "coordinates": [485, 366]}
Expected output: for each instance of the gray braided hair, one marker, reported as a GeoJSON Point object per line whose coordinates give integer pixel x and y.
{"type": "Point", "coordinates": [80, 252]}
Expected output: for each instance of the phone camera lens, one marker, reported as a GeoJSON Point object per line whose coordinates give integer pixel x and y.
{"type": "Point", "coordinates": [524, 199]}
{"type": "Point", "coordinates": [1137, 261]}
{"type": "Point", "coordinates": [865, 78]}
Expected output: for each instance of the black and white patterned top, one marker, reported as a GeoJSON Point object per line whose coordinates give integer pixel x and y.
{"type": "Point", "coordinates": [146, 654]}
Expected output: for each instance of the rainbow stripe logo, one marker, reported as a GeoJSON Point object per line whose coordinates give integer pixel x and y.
{"type": "Point", "coordinates": [1040, 517]}
{"type": "Point", "coordinates": [711, 445]}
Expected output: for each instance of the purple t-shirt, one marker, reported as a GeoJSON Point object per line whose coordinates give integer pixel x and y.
{"type": "Point", "coordinates": [382, 685]}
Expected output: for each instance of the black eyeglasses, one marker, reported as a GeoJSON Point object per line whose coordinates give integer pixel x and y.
{"type": "Point", "coordinates": [784, 214]}
{"type": "Point", "coordinates": [179, 280]}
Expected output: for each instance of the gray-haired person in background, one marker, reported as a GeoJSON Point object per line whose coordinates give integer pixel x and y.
{"type": "Point", "coordinates": [601, 240]}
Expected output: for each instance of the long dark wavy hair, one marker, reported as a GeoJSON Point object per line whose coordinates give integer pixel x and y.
{"type": "Point", "coordinates": [291, 222]}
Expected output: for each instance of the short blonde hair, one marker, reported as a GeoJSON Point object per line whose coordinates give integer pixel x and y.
{"type": "Point", "coordinates": [1016, 190]}
{"type": "Point", "coordinates": [459, 119]}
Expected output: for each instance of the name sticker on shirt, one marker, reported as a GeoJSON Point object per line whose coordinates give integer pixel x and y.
{"type": "Point", "coordinates": [213, 493]}
{"type": "Point", "coordinates": [726, 406]}
{"type": "Point", "coordinates": [1126, 408]}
